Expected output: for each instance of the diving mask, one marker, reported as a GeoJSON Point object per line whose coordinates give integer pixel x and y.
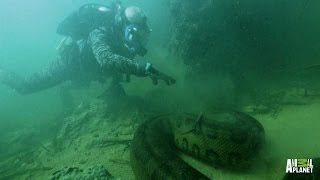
{"type": "Point", "coordinates": [137, 35]}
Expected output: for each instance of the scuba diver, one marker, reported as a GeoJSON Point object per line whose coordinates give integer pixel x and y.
{"type": "Point", "coordinates": [100, 42]}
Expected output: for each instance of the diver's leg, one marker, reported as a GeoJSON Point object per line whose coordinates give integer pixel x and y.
{"type": "Point", "coordinates": [48, 78]}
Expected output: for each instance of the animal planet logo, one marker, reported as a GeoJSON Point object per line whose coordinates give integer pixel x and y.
{"type": "Point", "coordinates": [299, 166]}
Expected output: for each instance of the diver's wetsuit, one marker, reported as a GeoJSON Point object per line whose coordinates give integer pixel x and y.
{"type": "Point", "coordinates": [100, 55]}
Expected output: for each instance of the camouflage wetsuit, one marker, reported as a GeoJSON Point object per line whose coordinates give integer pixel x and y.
{"type": "Point", "coordinates": [102, 54]}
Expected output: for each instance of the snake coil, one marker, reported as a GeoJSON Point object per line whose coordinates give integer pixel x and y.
{"type": "Point", "coordinates": [226, 139]}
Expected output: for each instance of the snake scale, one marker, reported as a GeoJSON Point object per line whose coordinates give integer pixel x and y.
{"type": "Point", "coordinates": [226, 139]}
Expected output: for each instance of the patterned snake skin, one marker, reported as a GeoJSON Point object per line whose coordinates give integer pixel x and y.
{"type": "Point", "coordinates": [224, 140]}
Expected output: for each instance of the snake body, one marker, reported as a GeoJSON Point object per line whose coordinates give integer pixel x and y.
{"type": "Point", "coordinates": [226, 139]}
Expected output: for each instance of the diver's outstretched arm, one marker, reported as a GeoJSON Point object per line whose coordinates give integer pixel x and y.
{"type": "Point", "coordinates": [115, 62]}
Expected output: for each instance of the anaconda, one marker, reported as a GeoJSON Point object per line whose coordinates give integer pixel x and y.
{"type": "Point", "coordinates": [226, 139]}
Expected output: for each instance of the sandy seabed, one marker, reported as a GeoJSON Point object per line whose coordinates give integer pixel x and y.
{"type": "Point", "coordinates": [98, 139]}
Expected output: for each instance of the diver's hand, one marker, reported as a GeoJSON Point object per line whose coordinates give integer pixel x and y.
{"type": "Point", "coordinates": [157, 75]}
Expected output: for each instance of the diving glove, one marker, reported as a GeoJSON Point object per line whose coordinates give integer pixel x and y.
{"type": "Point", "coordinates": [147, 70]}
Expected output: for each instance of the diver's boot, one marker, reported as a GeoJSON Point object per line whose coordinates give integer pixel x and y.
{"type": "Point", "coordinates": [12, 80]}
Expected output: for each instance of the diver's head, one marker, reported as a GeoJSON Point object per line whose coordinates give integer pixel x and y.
{"type": "Point", "coordinates": [135, 15]}
{"type": "Point", "coordinates": [136, 30]}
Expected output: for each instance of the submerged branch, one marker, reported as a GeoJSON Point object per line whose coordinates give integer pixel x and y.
{"type": "Point", "coordinates": [14, 174]}
{"type": "Point", "coordinates": [109, 142]}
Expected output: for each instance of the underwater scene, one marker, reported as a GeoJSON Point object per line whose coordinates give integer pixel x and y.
{"type": "Point", "coordinates": [168, 89]}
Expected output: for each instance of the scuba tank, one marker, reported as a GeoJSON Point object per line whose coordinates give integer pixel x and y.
{"type": "Point", "coordinates": [88, 17]}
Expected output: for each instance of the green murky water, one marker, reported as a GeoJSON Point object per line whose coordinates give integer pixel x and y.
{"type": "Point", "coordinates": [258, 57]}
